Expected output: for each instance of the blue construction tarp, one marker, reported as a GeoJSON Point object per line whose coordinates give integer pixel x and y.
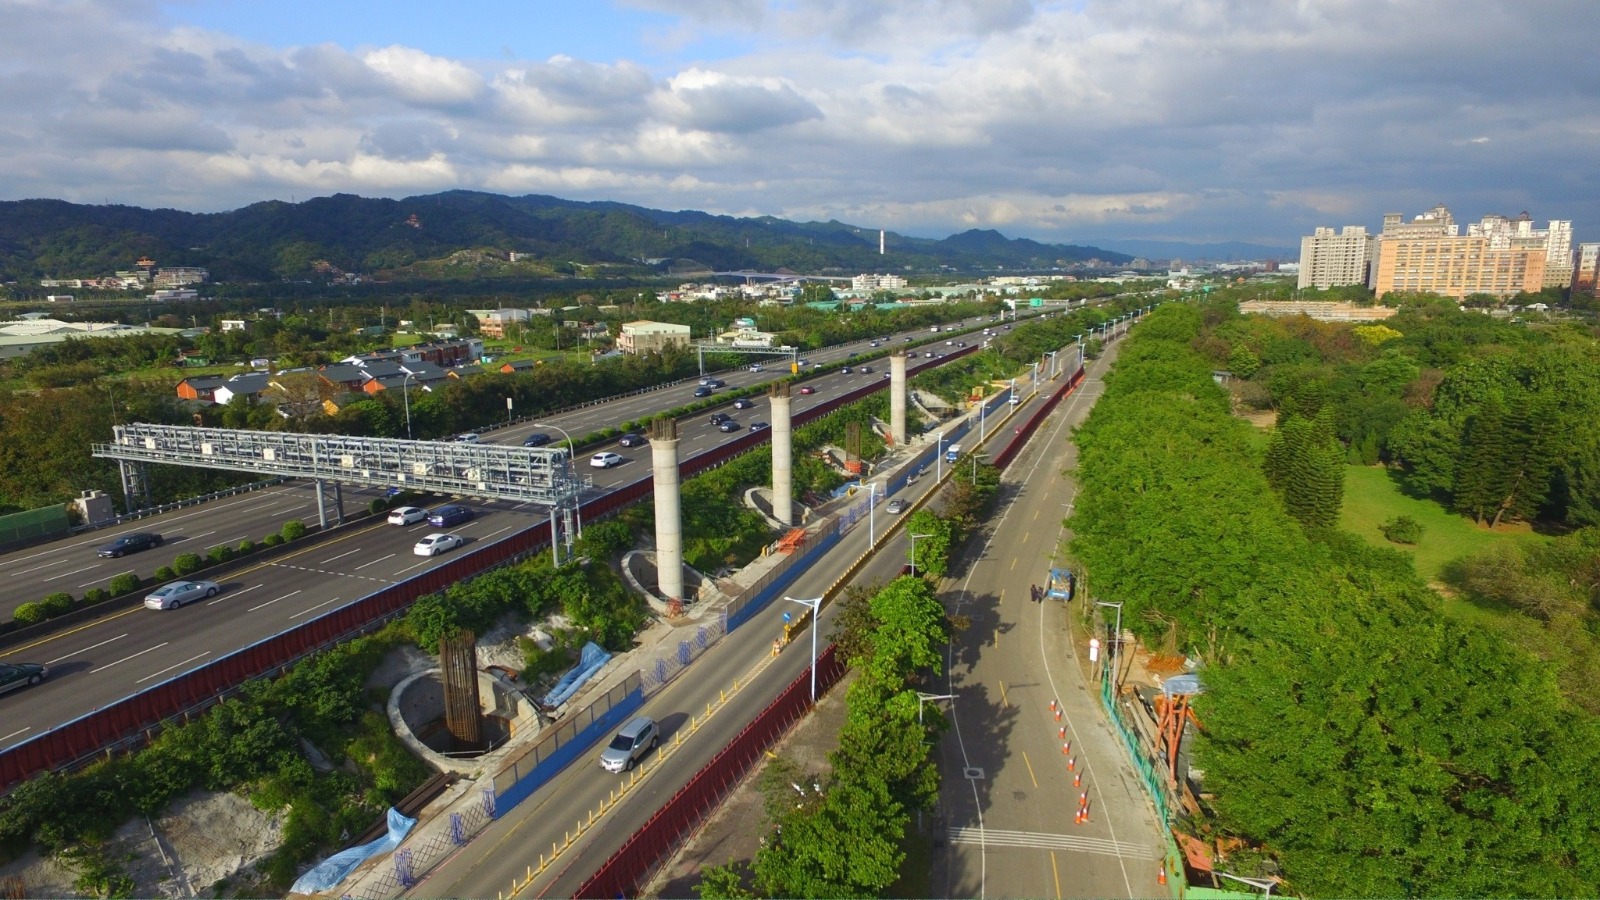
{"type": "Point", "coordinates": [594, 656]}
{"type": "Point", "coordinates": [326, 875]}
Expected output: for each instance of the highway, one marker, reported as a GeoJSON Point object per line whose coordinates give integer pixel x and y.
{"type": "Point", "coordinates": [99, 662]}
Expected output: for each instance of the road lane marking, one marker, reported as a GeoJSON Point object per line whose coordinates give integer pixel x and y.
{"type": "Point", "coordinates": [1013, 563]}
{"type": "Point", "coordinates": [74, 572]}
{"type": "Point", "coordinates": [98, 580]}
{"type": "Point", "coordinates": [1036, 518]}
{"type": "Point", "coordinates": [51, 662]}
{"type": "Point", "coordinates": [340, 556]}
{"type": "Point", "coordinates": [235, 594]}
{"type": "Point", "coordinates": [374, 562]}
{"type": "Point", "coordinates": [273, 600]}
{"type": "Point", "coordinates": [15, 733]}
{"type": "Point", "coordinates": [173, 666]}
{"type": "Point", "coordinates": [1029, 763]}
{"type": "Point", "coordinates": [493, 533]}
{"type": "Point", "coordinates": [314, 608]}
{"type": "Point", "coordinates": [1042, 841]}
{"type": "Point", "coordinates": [1026, 535]}
{"type": "Point", "coordinates": [126, 658]}
{"type": "Point", "coordinates": [1003, 701]}
{"type": "Point", "coordinates": [409, 568]}
{"type": "Point", "coordinates": [59, 562]}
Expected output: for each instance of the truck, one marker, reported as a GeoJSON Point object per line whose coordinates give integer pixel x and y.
{"type": "Point", "coordinates": [952, 453]}
{"type": "Point", "coordinates": [1060, 584]}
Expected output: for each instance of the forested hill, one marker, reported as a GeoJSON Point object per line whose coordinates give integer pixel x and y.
{"type": "Point", "coordinates": [271, 240]}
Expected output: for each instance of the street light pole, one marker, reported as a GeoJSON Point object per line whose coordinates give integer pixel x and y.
{"type": "Point", "coordinates": [405, 392]}
{"type": "Point", "coordinates": [914, 538]}
{"type": "Point", "coordinates": [1116, 646]}
{"type": "Point", "coordinates": [938, 459]}
{"type": "Point", "coordinates": [577, 507]}
{"type": "Point", "coordinates": [925, 698]}
{"type": "Point", "coordinates": [816, 611]}
{"type": "Point", "coordinates": [872, 514]}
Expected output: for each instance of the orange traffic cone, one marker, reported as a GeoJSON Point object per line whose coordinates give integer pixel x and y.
{"type": "Point", "coordinates": [1062, 733]}
{"type": "Point", "coordinates": [1161, 874]}
{"type": "Point", "coordinates": [1083, 800]}
{"type": "Point", "coordinates": [1058, 714]}
{"type": "Point", "coordinates": [1065, 748]}
{"type": "Point", "coordinates": [1052, 706]}
{"type": "Point", "coordinates": [1077, 780]}
{"type": "Point", "coordinates": [1072, 763]}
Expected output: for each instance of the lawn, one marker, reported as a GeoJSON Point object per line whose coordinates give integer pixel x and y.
{"type": "Point", "coordinates": [1372, 497]}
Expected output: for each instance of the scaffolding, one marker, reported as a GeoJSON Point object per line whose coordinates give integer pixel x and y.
{"type": "Point", "coordinates": [542, 475]}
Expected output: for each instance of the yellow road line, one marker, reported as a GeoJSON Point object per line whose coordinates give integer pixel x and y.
{"type": "Point", "coordinates": [1055, 872]}
{"type": "Point", "coordinates": [1013, 562]}
{"type": "Point", "coordinates": [1003, 700]}
{"type": "Point", "coordinates": [1030, 769]}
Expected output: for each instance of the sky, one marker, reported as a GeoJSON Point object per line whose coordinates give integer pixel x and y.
{"type": "Point", "coordinates": [1187, 120]}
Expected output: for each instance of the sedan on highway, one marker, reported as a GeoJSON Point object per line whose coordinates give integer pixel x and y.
{"type": "Point", "coordinates": [20, 675]}
{"type": "Point", "coordinates": [744, 403]}
{"type": "Point", "coordinates": [176, 594]}
{"type": "Point", "coordinates": [896, 507]}
{"type": "Point", "coordinates": [757, 426]}
{"type": "Point", "coordinates": [727, 426]}
{"type": "Point", "coordinates": [808, 389]}
{"type": "Point", "coordinates": [866, 370]}
{"type": "Point", "coordinates": [718, 418]}
{"type": "Point", "coordinates": [537, 439]}
{"type": "Point", "coordinates": [435, 544]}
{"type": "Point", "coordinates": [632, 439]}
{"type": "Point", "coordinates": [132, 542]}
{"type": "Point", "coordinates": [450, 514]}
{"type": "Point", "coordinates": [407, 515]}
{"type": "Point", "coordinates": [605, 460]}
{"type": "Point", "coordinates": [703, 391]}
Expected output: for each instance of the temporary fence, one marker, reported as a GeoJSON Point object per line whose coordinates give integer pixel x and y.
{"type": "Point", "coordinates": [636, 861]}
{"type": "Point", "coordinates": [524, 773]}
{"type": "Point", "coordinates": [655, 674]}
{"type": "Point", "coordinates": [419, 854]}
{"type": "Point", "coordinates": [758, 595]}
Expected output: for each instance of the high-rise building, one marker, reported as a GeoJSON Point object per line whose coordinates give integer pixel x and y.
{"type": "Point", "coordinates": [1555, 242]}
{"type": "Point", "coordinates": [1334, 260]}
{"type": "Point", "coordinates": [1497, 256]}
{"type": "Point", "coordinates": [1586, 277]}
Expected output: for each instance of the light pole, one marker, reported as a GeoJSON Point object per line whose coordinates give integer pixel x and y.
{"type": "Point", "coordinates": [816, 611]}
{"type": "Point", "coordinates": [975, 458]}
{"type": "Point", "coordinates": [914, 538]}
{"type": "Point", "coordinates": [508, 412]}
{"type": "Point", "coordinates": [938, 459]}
{"type": "Point", "coordinates": [872, 514]}
{"type": "Point", "coordinates": [925, 698]}
{"type": "Point", "coordinates": [405, 392]}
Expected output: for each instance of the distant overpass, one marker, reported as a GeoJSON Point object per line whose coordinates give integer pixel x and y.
{"type": "Point", "coordinates": [749, 275]}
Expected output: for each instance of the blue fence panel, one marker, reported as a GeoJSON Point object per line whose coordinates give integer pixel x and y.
{"type": "Point", "coordinates": [761, 599]}
{"type": "Point", "coordinates": [566, 753]}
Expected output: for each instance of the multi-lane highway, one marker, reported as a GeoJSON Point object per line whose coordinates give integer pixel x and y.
{"type": "Point", "coordinates": [99, 662]}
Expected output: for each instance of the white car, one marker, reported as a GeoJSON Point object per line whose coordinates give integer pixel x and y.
{"type": "Point", "coordinates": [407, 515]}
{"type": "Point", "coordinates": [176, 594]}
{"type": "Point", "coordinates": [605, 460]}
{"type": "Point", "coordinates": [470, 437]}
{"type": "Point", "coordinates": [435, 544]}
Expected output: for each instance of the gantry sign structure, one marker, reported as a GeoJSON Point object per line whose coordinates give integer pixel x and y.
{"type": "Point", "coordinates": [542, 475]}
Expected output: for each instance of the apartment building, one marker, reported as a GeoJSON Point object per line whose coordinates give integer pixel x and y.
{"type": "Point", "coordinates": [1430, 254]}
{"type": "Point", "coordinates": [1586, 276]}
{"type": "Point", "coordinates": [877, 283]}
{"type": "Point", "coordinates": [1335, 260]}
{"type": "Point", "coordinates": [645, 336]}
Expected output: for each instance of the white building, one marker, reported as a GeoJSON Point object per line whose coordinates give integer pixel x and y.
{"type": "Point", "coordinates": [1335, 260]}
{"type": "Point", "coordinates": [1519, 234]}
{"type": "Point", "coordinates": [877, 283]}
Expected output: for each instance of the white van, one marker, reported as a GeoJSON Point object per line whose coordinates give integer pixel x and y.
{"type": "Point", "coordinates": [952, 453]}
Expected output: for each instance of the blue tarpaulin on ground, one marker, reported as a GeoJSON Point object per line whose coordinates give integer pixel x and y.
{"type": "Point", "coordinates": [327, 874]}
{"type": "Point", "coordinates": [593, 658]}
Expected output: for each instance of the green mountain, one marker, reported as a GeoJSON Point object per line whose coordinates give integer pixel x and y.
{"type": "Point", "coordinates": [273, 240]}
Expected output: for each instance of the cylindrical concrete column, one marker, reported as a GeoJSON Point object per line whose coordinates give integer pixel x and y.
{"type": "Point", "coordinates": [897, 398]}
{"type": "Point", "coordinates": [669, 508]}
{"type": "Point", "coordinates": [782, 454]}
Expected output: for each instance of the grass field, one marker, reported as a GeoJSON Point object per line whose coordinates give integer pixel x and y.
{"type": "Point", "coordinates": [1372, 497]}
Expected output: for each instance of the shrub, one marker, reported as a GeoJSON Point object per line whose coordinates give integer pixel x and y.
{"type": "Point", "coordinates": [188, 563]}
{"type": "Point", "coordinates": [1402, 530]}
{"type": "Point", "coordinates": [219, 554]}
{"type": "Point", "coordinates": [272, 540]}
{"type": "Point", "coordinates": [57, 604]}
{"type": "Point", "coordinates": [377, 505]}
{"type": "Point", "coordinates": [28, 614]}
{"type": "Point", "coordinates": [96, 595]}
{"type": "Point", "coordinates": [293, 530]}
{"type": "Point", "coordinates": [165, 573]}
{"type": "Point", "coordinates": [128, 582]}
{"type": "Point", "coordinates": [246, 547]}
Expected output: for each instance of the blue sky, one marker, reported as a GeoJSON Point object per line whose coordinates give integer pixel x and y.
{"type": "Point", "coordinates": [1069, 121]}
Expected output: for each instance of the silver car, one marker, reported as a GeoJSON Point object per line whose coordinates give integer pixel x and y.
{"type": "Point", "coordinates": [176, 594]}
{"type": "Point", "coordinates": [632, 741]}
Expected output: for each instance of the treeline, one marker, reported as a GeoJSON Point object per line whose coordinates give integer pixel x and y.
{"type": "Point", "coordinates": [1363, 740]}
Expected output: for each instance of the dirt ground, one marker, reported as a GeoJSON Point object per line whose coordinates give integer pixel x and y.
{"type": "Point", "coordinates": [735, 830]}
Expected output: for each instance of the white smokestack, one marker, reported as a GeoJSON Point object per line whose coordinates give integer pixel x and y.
{"type": "Point", "coordinates": [880, 241]}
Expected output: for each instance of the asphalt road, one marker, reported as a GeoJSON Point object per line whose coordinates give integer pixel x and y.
{"type": "Point", "coordinates": [1008, 801]}
{"type": "Point", "coordinates": [100, 662]}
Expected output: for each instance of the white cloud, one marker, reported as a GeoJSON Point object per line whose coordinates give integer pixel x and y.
{"type": "Point", "coordinates": [421, 78]}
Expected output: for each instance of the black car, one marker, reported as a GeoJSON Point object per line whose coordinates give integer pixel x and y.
{"type": "Point", "coordinates": [845, 371]}
{"type": "Point", "coordinates": [757, 426]}
{"type": "Point", "coordinates": [703, 390]}
{"type": "Point", "coordinates": [715, 383]}
{"type": "Point", "coordinates": [16, 675]}
{"type": "Point", "coordinates": [632, 439]}
{"type": "Point", "coordinates": [132, 542]}
{"type": "Point", "coordinates": [727, 425]}
{"type": "Point", "coordinates": [866, 370]}
{"type": "Point", "coordinates": [448, 515]}
{"type": "Point", "coordinates": [718, 418]}
{"type": "Point", "coordinates": [537, 439]}
{"type": "Point", "coordinates": [743, 403]}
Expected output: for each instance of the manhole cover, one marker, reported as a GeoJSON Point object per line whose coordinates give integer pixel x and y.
{"type": "Point", "coordinates": [973, 773]}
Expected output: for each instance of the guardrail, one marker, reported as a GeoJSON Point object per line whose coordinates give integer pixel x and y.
{"type": "Point", "coordinates": [528, 770]}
